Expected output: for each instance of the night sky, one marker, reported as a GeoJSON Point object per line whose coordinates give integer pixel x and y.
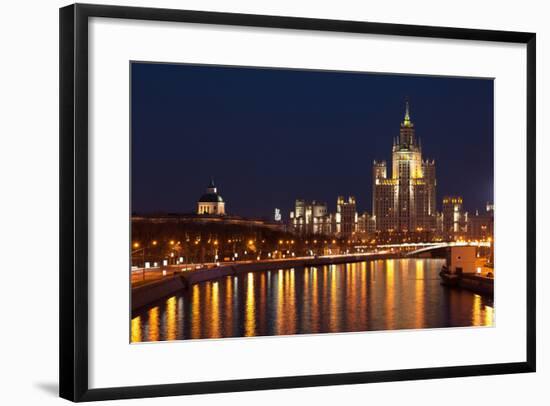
{"type": "Point", "coordinates": [269, 136]}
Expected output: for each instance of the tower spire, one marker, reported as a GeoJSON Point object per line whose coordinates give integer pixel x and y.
{"type": "Point", "coordinates": [211, 186]}
{"type": "Point", "coordinates": [407, 120]}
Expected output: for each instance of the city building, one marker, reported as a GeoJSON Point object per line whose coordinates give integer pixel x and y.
{"type": "Point", "coordinates": [439, 225]}
{"type": "Point", "coordinates": [481, 225]}
{"type": "Point", "coordinates": [366, 225]}
{"type": "Point", "coordinates": [455, 219]}
{"type": "Point", "coordinates": [310, 218]}
{"type": "Point", "coordinates": [405, 202]}
{"type": "Point", "coordinates": [346, 216]}
{"type": "Point", "coordinates": [211, 203]}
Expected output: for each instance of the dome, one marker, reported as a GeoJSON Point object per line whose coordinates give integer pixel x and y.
{"type": "Point", "coordinates": [210, 198]}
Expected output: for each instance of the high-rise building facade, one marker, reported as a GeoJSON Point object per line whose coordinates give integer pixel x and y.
{"type": "Point", "coordinates": [310, 218]}
{"type": "Point", "coordinates": [366, 225]}
{"type": "Point", "coordinates": [405, 202]}
{"type": "Point", "coordinates": [346, 216]}
{"type": "Point", "coordinates": [455, 219]}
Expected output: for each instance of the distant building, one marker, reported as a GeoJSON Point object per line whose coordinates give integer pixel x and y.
{"type": "Point", "coordinates": [406, 201]}
{"type": "Point", "coordinates": [481, 225]}
{"type": "Point", "coordinates": [310, 218]}
{"type": "Point", "coordinates": [439, 224]}
{"type": "Point", "coordinates": [455, 219]}
{"type": "Point", "coordinates": [366, 224]}
{"type": "Point", "coordinates": [346, 216]}
{"type": "Point", "coordinates": [211, 203]}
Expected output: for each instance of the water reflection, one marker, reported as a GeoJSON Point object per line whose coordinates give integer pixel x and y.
{"type": "Point", "coordinates": [195, 312]}
{"type": "Point", "coordinates": [419, 287]}
{"type": "Point", "coordinates": [215, 318]}
{"type": "Point", "coordinates": [250, 323]}
{"type": "Point", "coordinates": [171, 318]}
{"type": "Point", "coordinates": [378, 295]}
{"type": "Point", "coordinates": [136, 329]}
{"type": "Point", "coordinates": [153, 324]}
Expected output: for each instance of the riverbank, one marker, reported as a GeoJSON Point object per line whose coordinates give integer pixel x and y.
{"type": "Point", "coordinates": [390, 294]}
{"type": "Point", "coordinates": [178, 280]}
{"type": "Point", "coordinates": [475, 283]}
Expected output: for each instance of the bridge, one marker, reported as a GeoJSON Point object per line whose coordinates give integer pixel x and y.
{"type": "Point", "coordinates": [417, 248]}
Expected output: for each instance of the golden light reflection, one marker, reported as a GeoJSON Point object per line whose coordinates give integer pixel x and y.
{"type": "Point", "coordinates": [250, 319]}
{"type": "Point", "coordinates": [195, 312]}
{"type": "Point", "coordinates": [215, 315]}
{"type": "Point", "coordinates": [262, 309]}
{"type": "Point", "coordinates": [207, 310]}
{"type": "Point", "coordinates": [363, 295]}
{"type": "Point", "coordinates": [306, 307]}
{"type": "Point", "coordinates": [306, 282]}
{"type": "Point", "coordinates": [489, 315]}
{"type": "Point", "coordinates": [228, 307]}
{"type": "Point", "coordinates": [351, 296]}
{"type": "Point", "coordinates": [279, 317]}
{"type": "Point", "coordinates": [476, 310]}
{"type": "Point", "coordinates": [181, 317]}
{"type": "Point", "coordinates": [419, 295]}
{"type": "Point", "coordinates": [334, 301]}
{"type": "Point", "coordinates": [284, 314]}
{"type": "Point", "coordinates": [390, 294]}
{"type": "Point", "coordinates": [136, 330]}
{"type": "Point", "coordinates": [171, 320]}
{"type": "Point", "coordinates": [291, 300]}
{"type": "Point", "coordinates": [314, 300]}
{"type": "Point", "coordinates": [154, 324]}
{"type": "Point", "coordinates": [324, 293]}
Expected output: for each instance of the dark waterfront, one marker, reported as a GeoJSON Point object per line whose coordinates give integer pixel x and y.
{"type": "Point", "coordinates": [366, 296]}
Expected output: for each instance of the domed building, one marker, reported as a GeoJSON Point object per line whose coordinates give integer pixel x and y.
{"type": "Point", "coordinates": [211, 202]}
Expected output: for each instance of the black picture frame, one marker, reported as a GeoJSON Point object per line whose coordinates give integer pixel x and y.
{"type": "Point", "coordinates": [73, 253]}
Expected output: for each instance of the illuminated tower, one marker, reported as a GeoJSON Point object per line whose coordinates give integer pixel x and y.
{"type": "Point", "coordinates": [406, 201]}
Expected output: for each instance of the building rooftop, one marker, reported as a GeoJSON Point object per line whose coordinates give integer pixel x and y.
{"type": "Point", "coordinates": [211, 197]}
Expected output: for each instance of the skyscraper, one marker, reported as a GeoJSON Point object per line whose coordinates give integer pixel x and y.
{"type": "Point", "coordinates": [406, 201]}
{"type": "Point", "coordinates": [346, 216]}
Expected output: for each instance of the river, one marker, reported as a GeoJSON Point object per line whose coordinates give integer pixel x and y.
{"type": "Point", "coordinates": [364, 296]}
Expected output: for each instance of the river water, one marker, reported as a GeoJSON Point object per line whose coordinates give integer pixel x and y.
{"type": "Point", "coordinates": [374, 295]}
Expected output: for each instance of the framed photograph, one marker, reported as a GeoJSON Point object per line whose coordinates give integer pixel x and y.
{"type": "Point", "coordinates": [257, 202]}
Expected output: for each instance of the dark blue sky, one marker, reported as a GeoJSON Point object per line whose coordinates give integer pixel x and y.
{"type": "Point", "coordinates": [269, 136]}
